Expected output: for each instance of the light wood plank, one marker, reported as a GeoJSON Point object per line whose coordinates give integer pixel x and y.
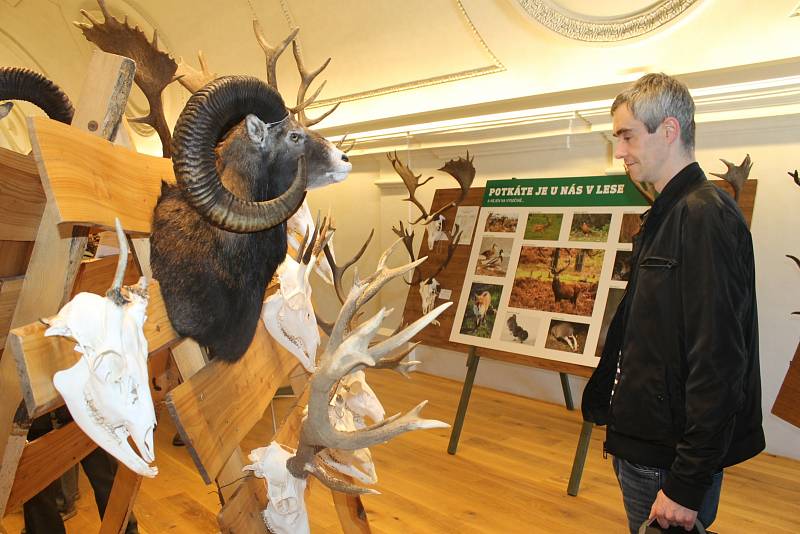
{"type": "Point", "coordinates": [46, 458]}
{"type": "Point", "coordinates": [77, 170]}
{"type": "Point", "coordinates": [39, 358]}
{"type": "Point", "coordinates": [54, 262]}
{"type": "Point", "coordinates": [120, 502]}
{"type": "Point", "coordinates": [9, 293]}
{"type": "Point", "coordinates": [22, 200]}
{"type": "Point", "coordinates": [96, 275]}
{"type": "Point", "coordinates": [210, 423]}
{"type": "Point", "coordinates": [242, 512]}
{"type": "Point", "coordinates": [14, 257]}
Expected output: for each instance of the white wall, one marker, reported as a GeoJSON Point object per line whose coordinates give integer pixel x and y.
{"type": "Point", "coordinates": [772, 142]}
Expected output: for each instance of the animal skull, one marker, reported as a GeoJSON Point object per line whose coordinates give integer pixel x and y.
{"type": "Point", "coordinates": [286, 512]}
{"type": "Point", "coordinates": [428, 291]}
{"type": "Point", "coordinates": [288, 314]}
{"type": "Point", "coordinates": [354, 401]}
{"type": "Point", "coordinates": [436, 231]}
{"type": "Point", "coordinates": [107, 391]}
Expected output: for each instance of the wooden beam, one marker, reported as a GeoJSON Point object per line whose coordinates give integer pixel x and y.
{"type": "Point", "coordinates": [96, 275]}
{"type": "Point", "coordinates": [76, 168]}
{"type": "Point", "coordinates": [14, 257]}
{"type": "Point", "coordinates": [39, 358]}
{"type": "Point", "coordinates": [242, 512]}
{"type": "Point", "coordinates": [9, 293]}
{"type": "Point", "coordinates": [54, 260]}
{"type": "Point", "coordinates": [46, 458]}
{"type": "Point", "coordinates": [22, 200]}
{"type": "Point", "coordinates": [217, 407]}
{"type": "Point", "coordinates": [120, 502]}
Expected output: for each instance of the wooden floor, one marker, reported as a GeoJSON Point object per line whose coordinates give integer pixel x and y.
{"type": "Point", "coordinates": [509, 476]}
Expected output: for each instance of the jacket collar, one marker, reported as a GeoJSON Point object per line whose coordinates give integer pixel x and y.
{"type": "Point", "coordinates": [676, 189]}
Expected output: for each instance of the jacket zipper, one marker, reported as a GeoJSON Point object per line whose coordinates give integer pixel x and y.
{"type": "Point", "coordinates": [657, 262]}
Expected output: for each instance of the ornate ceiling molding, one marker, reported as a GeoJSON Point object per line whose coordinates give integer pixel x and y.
{"type": "Point", "coordinates": [596, 29]}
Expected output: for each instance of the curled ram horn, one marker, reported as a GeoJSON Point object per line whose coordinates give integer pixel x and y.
{"type": "Point", "coordinates": [107, 391]}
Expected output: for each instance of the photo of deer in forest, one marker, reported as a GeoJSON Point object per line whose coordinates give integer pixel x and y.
{"type": "Point", "coordinates": [494, 256]}
{"type": "Point", "coordinates": [481, 310]}
{"type": "Point", "coordinates": [631, 222]}
{"type": "Point", "coordinates": [501, 222]}
{"type": "Point", "coordinates": [520, 329]}
{"type": "Point", "coordinates": [622, 266]}
{"type": "Point", "coordinates": [543, 226]}
{"type": "Point", "coordinates": [590, 227]}
{"type": "Point", "coordinates": [567, 336]}
{"type": "Point", "coordinates": [560, 280]}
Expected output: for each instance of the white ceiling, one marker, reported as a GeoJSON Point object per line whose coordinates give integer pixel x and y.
{"type": "Point", "coordinates": [398, 62]}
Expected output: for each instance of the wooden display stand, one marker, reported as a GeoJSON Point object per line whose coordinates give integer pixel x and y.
{"type": "Point", "coordinates": [452, 278]}
{"type": "Point", "coordinates": [787, 402]}
{"type": "Point", "coordinates": [86, 183]}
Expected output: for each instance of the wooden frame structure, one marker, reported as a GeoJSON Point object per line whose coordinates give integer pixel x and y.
{"type": "Point", "coordinates": [85, 182]}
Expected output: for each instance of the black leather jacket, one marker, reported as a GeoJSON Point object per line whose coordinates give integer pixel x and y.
{"type": "Point", "coordinates": [686, 337]}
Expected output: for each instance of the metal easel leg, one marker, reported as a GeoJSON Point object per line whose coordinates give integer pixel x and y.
{"type": "Point", "coordinates": [580, 459]}
{"type": "Point", "coordinates": [472, 368]}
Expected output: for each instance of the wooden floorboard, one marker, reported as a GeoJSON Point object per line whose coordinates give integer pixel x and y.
{"type": "Point", "coordinates": [509, 476]}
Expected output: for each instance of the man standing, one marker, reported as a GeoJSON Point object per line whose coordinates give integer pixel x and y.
{"type": "Point", "coordinates": [678, 383]}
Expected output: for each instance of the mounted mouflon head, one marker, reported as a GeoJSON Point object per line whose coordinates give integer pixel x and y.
{"type": "Point", "coordinates": [17, 83]}
{"type": "Point", "coordinates": [242, 164]}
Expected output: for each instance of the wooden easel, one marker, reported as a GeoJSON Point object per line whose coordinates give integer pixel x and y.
{"type": "Point", "coordinates": [87, 183]}
{"type": "Point", "coordinates": [452, 278]}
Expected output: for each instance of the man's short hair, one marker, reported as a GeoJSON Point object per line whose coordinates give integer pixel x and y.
{"type": "Point", "coordinates": [653, 98]}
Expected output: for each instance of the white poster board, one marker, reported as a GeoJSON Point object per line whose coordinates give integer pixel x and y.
{"type": "Point", "coordinates": [548, 266]}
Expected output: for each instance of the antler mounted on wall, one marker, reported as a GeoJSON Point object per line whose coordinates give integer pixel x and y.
{"type": "Point", "coordinates": [736, 174]}
{"type": "Point", "coordinates": [461, 169]}
{"type": "Point", "coordinates": [154, 69]}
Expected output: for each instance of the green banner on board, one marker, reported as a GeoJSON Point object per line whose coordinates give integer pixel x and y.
{"type": "Point", "coordinates": [614, 190]}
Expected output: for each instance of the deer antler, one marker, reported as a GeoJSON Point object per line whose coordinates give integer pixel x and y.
{"type": "Point", "coordinates": [795, 175]}
{"type": "Point", "coordinates": [736, 175]}
{"type": "Point", "coordinates": [154, 69]}
{"type": "Point", "coordinates": [343, 356]}
{"type": "Point", "coordinates": [272, 53]}
{"type": "Point", "coordinates": [412, 183]}
{"type": "Point", "coordinates": [192, 79]}
{"type": "Point", "coordinates": [463, 171]}
{"type": "Point", "coordinates": [306, 79]}
{"type": "Point", "coordinates": [407, 237]}
{"type": "Point", "coordinates": [341, 144]}
{"type": "Point", "coordinates": [338, 270]}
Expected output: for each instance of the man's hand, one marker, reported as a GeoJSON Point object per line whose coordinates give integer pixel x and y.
{"type": "Point", "coordinates": [669, 513]}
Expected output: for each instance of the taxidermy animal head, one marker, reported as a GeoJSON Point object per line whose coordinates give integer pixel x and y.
{"type": "Point", "coordinates": [23, 84]}
{"type": "Point", "coordinates": [107, 391]}
{"type": "Point", "coordinates": [219, 236]}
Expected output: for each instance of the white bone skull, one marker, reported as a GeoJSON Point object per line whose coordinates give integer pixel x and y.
{"type": "Point", "coordinates": [428, 291]}
{"type": "Point", "coordinates": [286, 512]}
{"type": "Point", "coordinates": [436, 231]}
{"type": "Point", "coordinates": [107, 390]}
{"type": "Point", "coordinates": [288, 313]}
{"type": "Point", "coordinates": [353, 403]}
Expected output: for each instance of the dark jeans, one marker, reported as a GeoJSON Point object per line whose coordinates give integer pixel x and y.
{"type": "Point", "coordinates": [41, 512]}
{"type": "Point", "coordinates": [640, 485]}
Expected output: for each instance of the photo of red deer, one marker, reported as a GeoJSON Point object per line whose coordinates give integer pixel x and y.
{"type": "Point", "coordinates": [631, 223]}
{"type": "Point", "coordinates": [557, 279]}
{"type": "Point", "coordinates": [590, 227]}
{"type": "Point", "coordinates": [501, 222]}
{"type": "Point", "coordinates": [543, 226]}
{"type": "Point", "coordinates": [566, 336]}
